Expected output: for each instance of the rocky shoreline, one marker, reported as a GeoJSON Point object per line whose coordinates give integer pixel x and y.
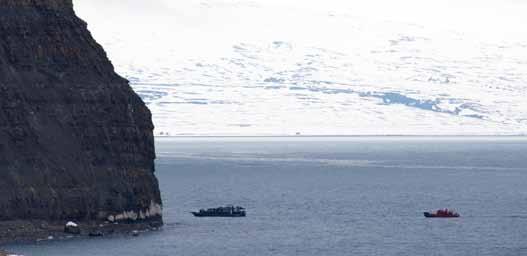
{"type": "Point", "coordinates": [23, 231]}
{"type": "Point", "coordinates": [2, 253]}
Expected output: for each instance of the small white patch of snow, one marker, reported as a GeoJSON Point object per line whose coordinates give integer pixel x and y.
{"type": "Point", "coordinates": [71, 224]}
{"type": "Point", "coordinates": [153, 210]}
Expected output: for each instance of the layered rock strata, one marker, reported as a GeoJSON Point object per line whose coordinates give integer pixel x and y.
{"type": "Point", "coordinates": [76, 142]}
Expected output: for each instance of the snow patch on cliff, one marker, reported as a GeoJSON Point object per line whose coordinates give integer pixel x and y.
{"type": "Point", "coordinates": [155, 210]}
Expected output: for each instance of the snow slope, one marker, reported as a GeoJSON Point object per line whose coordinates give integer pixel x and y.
{"type": "Point", "coordinates": [338, 68]}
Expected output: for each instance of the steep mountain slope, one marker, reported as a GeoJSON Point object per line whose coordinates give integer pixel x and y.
{"type": "Point", "coordinates": [266, 67]}
{"type": "Point", "coordinates": [76, 142]}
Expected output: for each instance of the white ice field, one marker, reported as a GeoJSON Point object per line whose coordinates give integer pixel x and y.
{"type": "Point", "coordinates": [269, 67]}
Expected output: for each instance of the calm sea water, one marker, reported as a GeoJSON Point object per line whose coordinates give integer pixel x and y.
{"type": "Point", "coordinates": [331, 196]}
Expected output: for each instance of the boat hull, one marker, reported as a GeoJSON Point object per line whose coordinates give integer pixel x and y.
{"type": "Point", "coordinates": [226, 215]}
{"type": "Point", "coordinates": [433, 215]}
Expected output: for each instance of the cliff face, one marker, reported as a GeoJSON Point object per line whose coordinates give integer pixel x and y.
{"type": "Point", "coordinates": [75, 141]}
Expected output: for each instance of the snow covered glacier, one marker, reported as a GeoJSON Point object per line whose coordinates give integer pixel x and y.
{"type": "Point", "coordinates": [277, 68]}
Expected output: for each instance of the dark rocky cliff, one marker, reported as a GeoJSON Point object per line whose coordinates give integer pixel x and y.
{"type": "Point", "coordinates": [76, 142]}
